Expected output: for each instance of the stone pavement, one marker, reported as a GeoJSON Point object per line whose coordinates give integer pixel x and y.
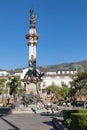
{"type": "Point", "coordinates": [57, 122]}
{"type": "Point", "coordinates": [26, 122]}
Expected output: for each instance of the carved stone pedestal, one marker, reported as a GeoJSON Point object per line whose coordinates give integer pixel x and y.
{"type": "Point", "coordinates": [31, 88]}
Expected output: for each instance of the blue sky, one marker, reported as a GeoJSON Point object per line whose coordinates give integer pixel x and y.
{"type": "Point", "coordinates": [61, 24]}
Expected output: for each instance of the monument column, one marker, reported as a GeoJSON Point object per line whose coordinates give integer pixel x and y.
{"type": "Point", "coordinates": [33, 76]}
{"type": "Point", "coordinates": [32, 38]}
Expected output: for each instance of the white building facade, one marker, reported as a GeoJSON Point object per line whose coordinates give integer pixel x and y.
{"type": "Point", "coordinates": [57, 77]}
{"type": "Point", "coordinates": [3, 73]}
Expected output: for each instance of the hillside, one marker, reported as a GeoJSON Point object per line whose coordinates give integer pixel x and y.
{"type": "Point", "coordinates": [79, 66]}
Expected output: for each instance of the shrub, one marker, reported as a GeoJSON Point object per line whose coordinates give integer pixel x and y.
{"type": "Point", "coordinates": [79, 121]}
{"type": "Point", "coordinates": [79, 103]}
{"type": "Point", "coordinates": [67, 115]}
{"type": "Point", "coordinates": [68, 121]}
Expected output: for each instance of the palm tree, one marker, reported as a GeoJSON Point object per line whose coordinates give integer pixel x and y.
{"type": "Point", "coordinates": [15, 87]}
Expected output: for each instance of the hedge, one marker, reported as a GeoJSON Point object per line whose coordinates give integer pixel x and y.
{"type": "Point", "coordinates": [79, 121]}
{"type": "Point", "coordinates": [67, 115]}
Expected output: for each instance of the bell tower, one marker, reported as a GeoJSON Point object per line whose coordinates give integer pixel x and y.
{"type": "Point", "coordinates": [32, 38]}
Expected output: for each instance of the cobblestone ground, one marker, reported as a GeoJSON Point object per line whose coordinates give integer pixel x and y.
{"type": "Point", "coordinates": [26, 122]}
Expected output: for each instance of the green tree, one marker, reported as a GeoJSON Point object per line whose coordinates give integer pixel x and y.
{"type": "Point", "coordinates": [2, 85]}
{"type": "Point", "coordinates": [83, 92]}
{"type": "Point", "coordinates": [18, 82]}
{"type": "Point", "coordinates": [79, 84]}
{"type": "Point", "coordinates": [55, 90]}
{"type": "Point", "coordinates": [64, 90]}
{"type": "Point", "coordinates": [2, 88]}
{"type": "Point", "coordinates": [58, 92]}
{"type": "Point", "coordinates": [16, 86]}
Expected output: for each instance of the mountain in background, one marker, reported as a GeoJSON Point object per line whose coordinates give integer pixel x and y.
{"type": "Point", "coordinates": [79, 66]}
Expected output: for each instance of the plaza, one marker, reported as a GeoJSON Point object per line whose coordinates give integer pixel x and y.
{"type": "Point", "coordinates": [44, 94]}
{"type": "Point", "coordinates": [26, 122]}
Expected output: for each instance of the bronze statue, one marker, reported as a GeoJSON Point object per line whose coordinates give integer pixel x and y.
{"type": "Point", "coordinates": [32, 19]}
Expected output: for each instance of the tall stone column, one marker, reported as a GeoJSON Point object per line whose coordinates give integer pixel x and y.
{"type": "Point", "coordinates": [32, 78]}
{"type": "Point", "coordinates": [32, 38]}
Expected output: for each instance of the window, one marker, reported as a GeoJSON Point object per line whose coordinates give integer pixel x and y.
{"type": "Point", "coordinates": [2, 74]}
{"type": "Point", "coordinates": [44, 84]}
{"type": "Point", "coordinates": [43, 91]}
